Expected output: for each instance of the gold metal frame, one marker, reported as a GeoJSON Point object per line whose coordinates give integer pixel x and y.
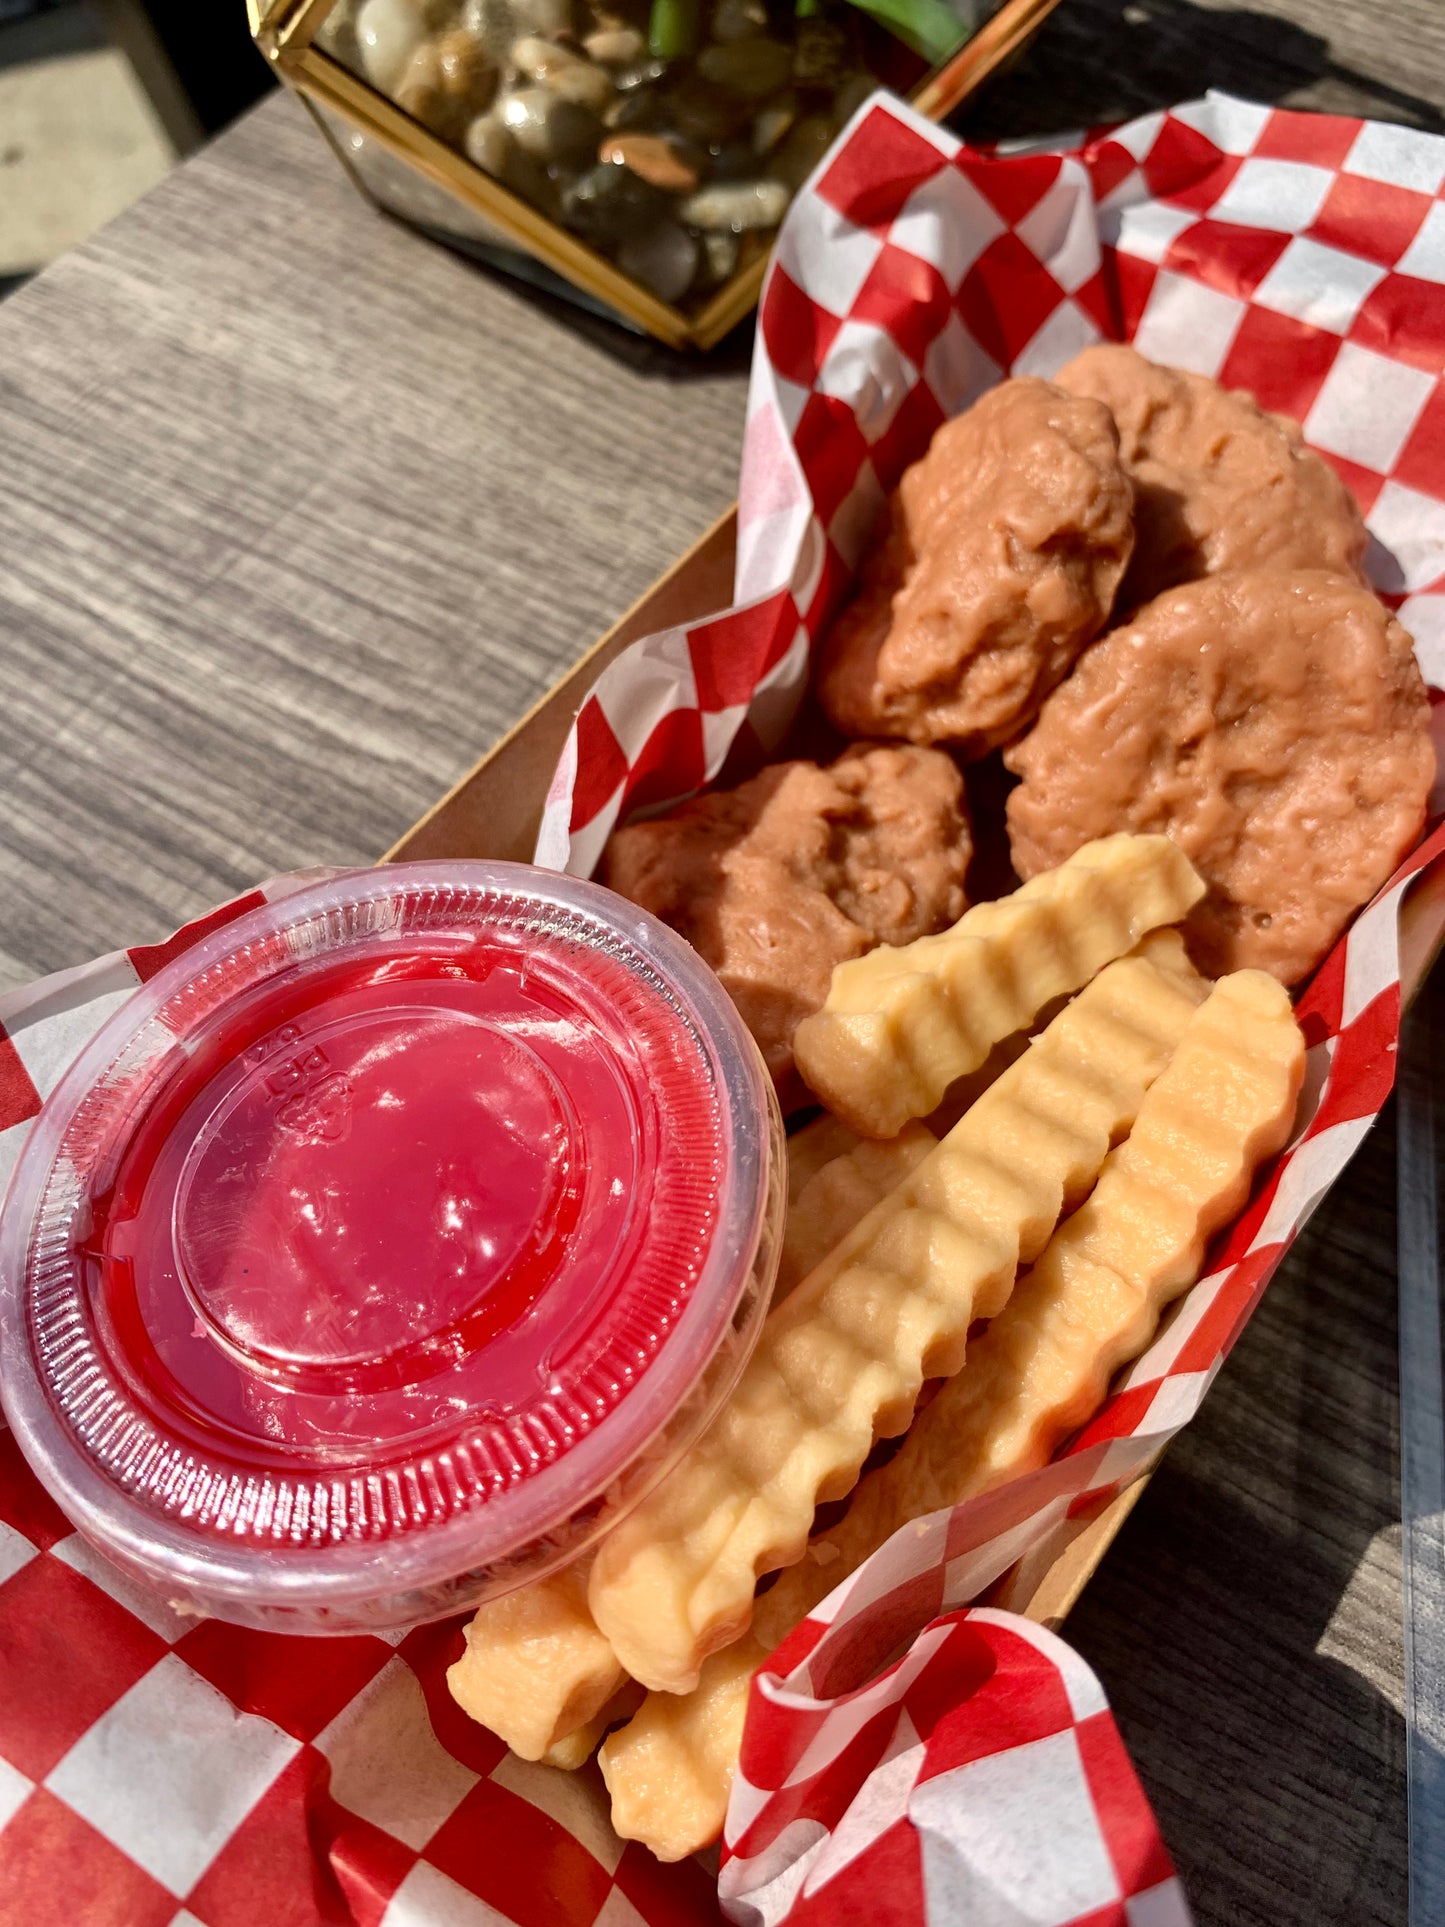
{"type": "Point", "coordinates": [285, 30]}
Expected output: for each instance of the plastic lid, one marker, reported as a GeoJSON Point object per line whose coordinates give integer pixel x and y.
{"type": "Point", "coordinates": [381, 1235]}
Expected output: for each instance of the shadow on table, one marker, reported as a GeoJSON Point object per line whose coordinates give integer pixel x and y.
{"type": "Point", "coordinates": [1104, 60]}
{"type": "Point", "coordinates": [1277, 1771]}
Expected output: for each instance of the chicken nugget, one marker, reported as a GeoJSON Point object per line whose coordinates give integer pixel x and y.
{"type": "Point", "coordinates": [776, 881]}
{"type": "Point", "coordinates": [1218, 483]}
{"type": "Point", "coordinates": [999, 559]}
{"type": "Point", "coordinates": [1273, 724]}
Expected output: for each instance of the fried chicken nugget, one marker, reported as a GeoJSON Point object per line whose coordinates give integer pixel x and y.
{"type": "Point", "coordinates": [1222, 1106]}
{"type": "Point", "coordinates": [776, 881]}
{"type": "Point", "coordinates": [1274, 724]}
{"type": "Point", "coordinates": [1218, 483]}
{"type": "Point", "coordinates": [842, 1360]}
{"type": "Point", "coordinates": [999, 559]}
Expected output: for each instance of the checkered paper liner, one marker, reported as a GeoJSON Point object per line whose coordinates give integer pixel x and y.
{"type": "Point", "coordinates": [155, 1769]}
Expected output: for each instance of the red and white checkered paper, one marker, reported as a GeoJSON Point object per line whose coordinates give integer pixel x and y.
{"type": "Point", "coordinates": [159, 1770]}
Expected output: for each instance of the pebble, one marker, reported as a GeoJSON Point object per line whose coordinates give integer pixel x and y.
{"type": "Point", "coordinates": [739, 20]}
{"type": "Point", "coordinates": [563, 72]}
{"type": "Point", "coordinates": [465, 68]}
{"type": "Point", "coordinates": [388, 32]}
{"type": "Point", "coordinates": [801, 152]}
{"type": "Point", "coordinates": [640, 112]}
{"type": "Point", "coordinates": [616, 46]}
{"type": "Point", "coordinates": [663, 258]}
{"type": "Point", "coordinates": [420, 93]}
{"type": "Point", "coordinates": [500, 21]}
{"type": "Point", "coordinates": [447, 82]}
{"type": "Point", "coordinates": [719, 256]}
{"type": "Point", "coordinates": [646, 73]}
{"type": "Point", "coordinates": [773, 122]}
{"type": "Point", "coordinates": [337, 35]}
{"type": "Point", "coordinates": [734, 162]}
{"type": "Point", "coordinates": [549, 128]}
{"type": "Point", "coordinates": [737, 206]}
{"type": "Point", "coordinates": [752, 68]}
{"type": "Point", "coordinates": [652, 158]}
{"type": "Point", "coordinates": [704, 114]}
{"type": "Point", "coordinates": [607, 203]}
{"type": "Point", "coordinates": [489, 144]}
{"type": "Point", "coordinates": [822, 53]}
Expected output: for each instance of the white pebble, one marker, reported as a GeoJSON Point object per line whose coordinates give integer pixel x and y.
{"type": "Point", "coordinates": [388, 33]}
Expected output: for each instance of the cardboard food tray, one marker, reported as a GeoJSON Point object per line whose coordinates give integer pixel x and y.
{"type": "Point", "coordinates": [496, 808]}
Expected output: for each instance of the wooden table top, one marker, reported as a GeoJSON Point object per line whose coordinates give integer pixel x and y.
{"type": "Point", "coordinates": [299, 512]}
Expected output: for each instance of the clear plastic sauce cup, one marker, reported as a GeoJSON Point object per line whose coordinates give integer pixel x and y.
{"type": "Point", "coordinates": [388, 1245]}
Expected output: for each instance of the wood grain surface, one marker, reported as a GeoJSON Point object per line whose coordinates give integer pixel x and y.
{"type": "Point", "coordinates": [298, 512]}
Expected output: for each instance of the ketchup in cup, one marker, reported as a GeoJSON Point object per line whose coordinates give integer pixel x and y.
{"type": "Point", "coordinates": [387, 1246]}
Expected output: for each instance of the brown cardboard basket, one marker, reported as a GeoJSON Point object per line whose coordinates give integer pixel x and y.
{"type": "Point", "coordinates": [495, 811]}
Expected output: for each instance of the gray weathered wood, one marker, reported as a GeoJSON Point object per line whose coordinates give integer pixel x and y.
{"type": "Point", "coordinates": [298, 512]}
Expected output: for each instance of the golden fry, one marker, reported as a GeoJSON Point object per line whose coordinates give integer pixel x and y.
{"type": "Point", "coordinates": [1224, 1105]}
{"type": "Point", "coordinates": [901, 1023]}
{"type": "Point", "coordinates": [536, 1668]}
{"type": "Point", "coordinates": [842, 1360]}
{"type": "Point", "coordinates": [839, 1195]}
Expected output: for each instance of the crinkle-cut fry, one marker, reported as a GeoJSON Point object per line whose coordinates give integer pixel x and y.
{"type": "Point", "coordinates": [841, 1361]}
{"type": "Point", "coordinates": [536, 1668]}
{"type": "Point", "coordinates": [669, 1771]}
{"type": "Point", "coordinates": [900, 1024]}
{"type": "Point", "coordinates": [817, 1144]}
{"type": "Point", "coordinates": [839, 1194]}
{"type": "Point", "coordinates": [576, 1749]}
{"type": "Point", "coordinates": [1222, 1107]}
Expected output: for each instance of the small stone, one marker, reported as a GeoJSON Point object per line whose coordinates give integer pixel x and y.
{"type": "Point", "coordinates": [388, 32]}
{"type": "Point", "coordinates": [640, 112]}
{"type": "Point", "coordinates": [466, 72]}
{"type": "Point", "coordinates": [663, 258]}
{"type": "Point", "coordinates": [801, 152]}
{"type": "Point", "coordinates": [704, 114]}
{"type": "Point", "coordinates": [337, 34]}
{"type": "Point", "coordinates": [607, 203]}
{"type": "Point", "coordinates": [492, 23]}
{"type": "Point", "coordinates": [735, 161]}
{"type": "Point", "coordinates": [616, 46]}
{"type": "Point", "coordinates": [446, 83]}
{"type": "Point", "coordinates": [752, 68]}
{"type": "Point", "coordinates": [851, 96]}
{"type": "Point", "coordinates": [614, 19]}
{"type": "Point", "coordinates": [646, 73]}
{"type": "Point", "coordinates": [564, 72]}
{"type": "Point", "coordinates": [737, 206]}
{"type": "Point", "coordinates": [719, 257]}
{"type": "Point", "coordinates": [738, 20]}
{"type": "Point", "coordinates": [549, 17]}
{"type": "Point", "coordinates": [490, 145]}
{"type": "Point", "coordinates": [652, 158]}
{"type": "Point", "coordinates": [549, 128]}
{"type": "Point", "coordinates": [773, 122]}
{"type": "Point", "coordinates": [419, 93]}
{"type": "Point", "coordinates": [822, 53]}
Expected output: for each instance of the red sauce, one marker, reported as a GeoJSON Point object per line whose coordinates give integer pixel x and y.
{"type": "Point", "coordinates": [387, 1197]}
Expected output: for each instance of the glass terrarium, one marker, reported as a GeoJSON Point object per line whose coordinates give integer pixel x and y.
{"type": "Point", "coordinates": [640, 153]}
